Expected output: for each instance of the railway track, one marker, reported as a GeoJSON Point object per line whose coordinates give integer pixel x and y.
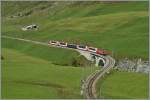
{"type": "Point", "coordinates": [90, 84]}
{"type": "Point", "coordinates": [37, 42]}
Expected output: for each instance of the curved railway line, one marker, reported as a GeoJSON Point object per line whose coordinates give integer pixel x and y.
{"type": "Point", "coordinates": [90, 83]}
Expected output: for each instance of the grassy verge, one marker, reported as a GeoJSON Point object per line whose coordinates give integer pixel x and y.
{"type": "Point", "coordinates": [123, 85]}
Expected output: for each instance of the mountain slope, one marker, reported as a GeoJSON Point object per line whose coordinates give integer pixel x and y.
{"type": "Point", "coordinates": [121, 27]}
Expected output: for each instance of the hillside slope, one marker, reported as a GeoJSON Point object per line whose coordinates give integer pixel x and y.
{"type": "Point", "coordinates": [27, 76]}
{"type": "Point", "coordinates": [35, 71]}
{"type": "Point", "coordinates": [121, 27]}
{"type": "Point", "coordinates": [56, 56]}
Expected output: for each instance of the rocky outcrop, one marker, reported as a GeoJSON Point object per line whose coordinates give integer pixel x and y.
{"type": "Point", "coordinates": [133, 65]}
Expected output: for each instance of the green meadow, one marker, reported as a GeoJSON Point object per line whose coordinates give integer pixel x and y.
{"type": "Point", "coordinates": [119, 27]}
{"type": "Point", "coordinates": [127, 85]}
{"type": "Point", "coordinates": [57, 56]}
{"type": "Point", "coordinates": [25, 76]}
{"type": "Point", "coordinates": [35, 71]}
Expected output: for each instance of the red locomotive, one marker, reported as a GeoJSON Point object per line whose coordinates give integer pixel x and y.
{"type": "Point", "coordinates": [102, 52]}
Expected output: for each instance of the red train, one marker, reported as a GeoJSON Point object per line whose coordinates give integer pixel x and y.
{"type": "Point", "coordinates": [103, 52]}
{"type": "Point", "coordinates": [80, 47]}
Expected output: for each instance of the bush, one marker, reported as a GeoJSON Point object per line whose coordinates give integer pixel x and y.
{"type": "Point", "coordinates": [80, 61]}
{"type": "Point", "coordinates": [2, 58]}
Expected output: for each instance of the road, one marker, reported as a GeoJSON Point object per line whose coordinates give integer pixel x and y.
{"type": "Point", "coordinates": [90, 84]}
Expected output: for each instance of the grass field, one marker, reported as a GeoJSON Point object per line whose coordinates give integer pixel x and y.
{"type": "Point", "coordinates": [57, 56]}
{"type": "Point", "coordinates": [125, 85]}
{"type": "Point", "coordinates": [123, 25]}
{"type": "Point", "coordinates": [35, 71]}
{"type": "Point", "coordinates": [25, 76]}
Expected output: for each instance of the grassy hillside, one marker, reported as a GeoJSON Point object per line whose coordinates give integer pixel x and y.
{"type": "Point", "coordinates": [118, 26]}
{"type": "Point", "coordinates": [56, 56]}
{"type": "Point", "coordinates": [25, 76]}
{"type": "Point", "coordinates": [124, 85]}
{"type": "Point", "coordinates": [35, 71]}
